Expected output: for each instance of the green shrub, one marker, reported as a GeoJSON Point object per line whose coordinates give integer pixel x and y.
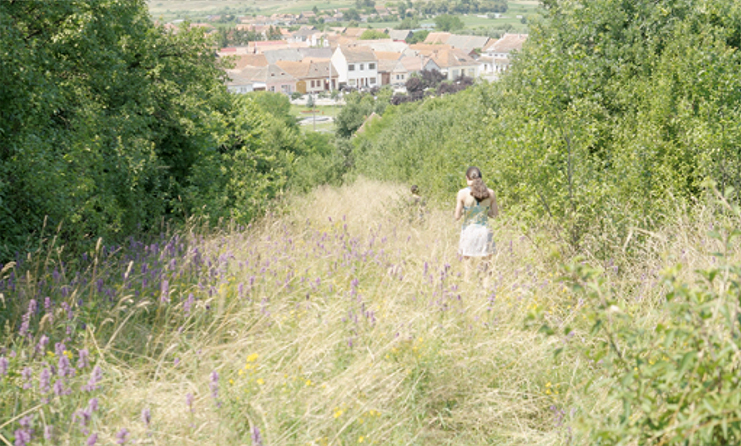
{"type": "Point", "coordinates": [673, 376]}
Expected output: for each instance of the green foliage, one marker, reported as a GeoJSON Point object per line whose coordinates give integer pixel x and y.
{"type": "Point", "coordinates": [614, 106]}
{"type": "Point", "coordinates": [261, 154]}
{"type": "Point", "coordinates": [110, 124]}
{"type": "Point", "coordinates": [235, 37]}
{"type": "Point", "coordinates": [103, 115]}
{"type": "Point", "coordinates": [357, 109]}
{"type": "Point", "coordinates": [372, 34]}
{"type": "Point", "coordinates": [674, 381]}
{"type": "Point", "coordinates": [408, 23]}
{"type": "Point", "coordinates": [418, 37]}
{"type": "Point", "coordinates": [428, 143]}
{"type": "Point", "coordinates": [277, 105]}
{"type": "Point", "coordinates": [447, 22]}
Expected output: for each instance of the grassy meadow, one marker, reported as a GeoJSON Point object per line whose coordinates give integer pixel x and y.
{"type": "Point", "coordinates": [344, 317]}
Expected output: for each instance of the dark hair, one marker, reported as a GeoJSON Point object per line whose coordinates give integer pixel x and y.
{"type": "Point", "coordinates": [479, 191]}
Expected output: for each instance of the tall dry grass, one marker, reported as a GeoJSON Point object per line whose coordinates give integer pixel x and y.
{"type": "Point", "coordinates": [344, 318]}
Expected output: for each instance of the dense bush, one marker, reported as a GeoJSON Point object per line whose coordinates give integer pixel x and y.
{"type": "Point", "coordinates": [429, 143]}
{"type": "Point", "coordinates": [110, 124]}
{"type": "Point", "coordinates": [671, 370]}
{"type": "Point", "coordinates": [103, 117]}
{"type": "Point", "coordinates": [615, 106]}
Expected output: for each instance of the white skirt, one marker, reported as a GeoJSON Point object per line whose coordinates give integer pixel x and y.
{"type": "Point", "coordinates": [476, 241]}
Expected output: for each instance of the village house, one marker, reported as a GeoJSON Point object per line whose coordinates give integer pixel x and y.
{"type": "Point", "coordinates": [241, 82]}
{"type": "Point", "coordinates": [472, 45]}
{"type": "Point", "coordinates": [451, 61]}
{"type": "Point", "coordinates": [498, 52]}
{"type": "Point", "coordinates": [387, 61]}
{"type": "Point", "coordinates": [357, 66]}
{"type": "Point", "coordinates": [400, 35]}
{"type": "Point", "coordinates": [437, 38]}
{"type": "Point", "coordinates": [455, 63]}
{"type": "Point", "coordinates": [312, 76]}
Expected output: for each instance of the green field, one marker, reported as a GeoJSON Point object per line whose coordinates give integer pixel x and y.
{"type": "Point", "coordinates": [197, 10]}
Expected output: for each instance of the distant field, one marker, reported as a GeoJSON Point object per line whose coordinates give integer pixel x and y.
{"type": "Point", "coordinates": [198, 9]}
{"type": "Point", "coordinates": [171, 9]}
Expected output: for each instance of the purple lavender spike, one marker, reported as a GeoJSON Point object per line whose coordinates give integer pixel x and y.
{"type": "Point", "coordinates": [256, 437]}
{"type": "Point", "coordinates": [121, 436]}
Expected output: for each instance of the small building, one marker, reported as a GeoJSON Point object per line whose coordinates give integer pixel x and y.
{"type": "Point", "coordinates": [357, 66]}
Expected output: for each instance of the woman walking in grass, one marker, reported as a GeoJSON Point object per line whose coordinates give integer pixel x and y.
{"type": "Point", "coordinates": [475, 204]}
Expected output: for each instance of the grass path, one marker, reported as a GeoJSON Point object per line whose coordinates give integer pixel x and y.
{"type": "Point", "coordinates": [360, 330]}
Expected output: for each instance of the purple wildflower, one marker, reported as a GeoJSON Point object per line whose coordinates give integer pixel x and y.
{"type": "Point", "coordinates": [22, 437]}
{"type": "Point", "coordinates": [59, 389]}
{"type": "Point", "coordinates": [214, 386]}
{"type": "Point", "coordinates": [49, 432]}
{"type": "Point", "coordinates": [165, 289]}
{"type": "Point", "coordinates": [64, 368]}
{"type": "Point", "coordinates": [82, 361]}
{"type": "Point", "coordinates": [48, 307]}
{"type": "Point", "coordinates": [92, 439]}
{"type": "Point", "coordinates": [256, 437]}
{"type": "Point", "coordinates": [43, 342]}
{"type": "Point", "coordinates": [92, 405]}
{"type": "Point", "coordinates": [146, 416]}
{"type": "Point", "coordinates": [121, 436]}
{"type": "Point", "coordinates": [83, 417]}
{"type": "Point", "coordinates": [45, 381]}
{"type": "Point", "coordinates": [188, 304]}
{"type": "Point", "coordinates": [4, 363]}
{"type": "Point", "coordinates": [95, 377]}
{"type": "Point", "coordinates": [189, 401]}
{"type": "Point", "coordinates": [27, 374]}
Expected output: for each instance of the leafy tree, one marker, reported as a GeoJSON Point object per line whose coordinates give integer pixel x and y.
{"type": "Point", "coordinates": [408, 23]}
{"type": "Point", "coordinates": [351, 15]}
{"type": "Point", "coordinates": [372, 34]}
{"type": "Point", "coordinates": [274, 33]}
{"type": "Point", "coordinates": [447, 22]}
{"type": "Point", "coordinates": [103, 116]}
{"type": "Point", "coordinates": [357, 108]}
{"type": "Point", "coordinates": [418, 37]}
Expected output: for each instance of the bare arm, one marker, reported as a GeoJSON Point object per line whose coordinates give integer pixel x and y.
{"type": "Point", "coordinates": [459, 205]}
{"type": "Point", "coordinates": [494, 209]}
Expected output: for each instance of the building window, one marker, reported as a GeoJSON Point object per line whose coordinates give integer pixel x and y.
{"type": "Point", "coordinates": [351, 81]}
{"type": "Point", "coordinates": [372, 80]}
{"type": "Point", "coordinates": [361, 67]}
{"type": "Point", "coordinates": [351, 67]}
{"type": "Point", "coordinates": [371, 66]}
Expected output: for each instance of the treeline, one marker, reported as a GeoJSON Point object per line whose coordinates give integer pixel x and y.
{"type": "Point", "coordinates": [612, 111]}
{"type": "Point", "coordinates": [110, 126]}
{"type": "Point", "coordinates": [410, 9]}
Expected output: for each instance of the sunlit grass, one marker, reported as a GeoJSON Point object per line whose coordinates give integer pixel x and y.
{"type": "Point", "coordinates": [342, 318]}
